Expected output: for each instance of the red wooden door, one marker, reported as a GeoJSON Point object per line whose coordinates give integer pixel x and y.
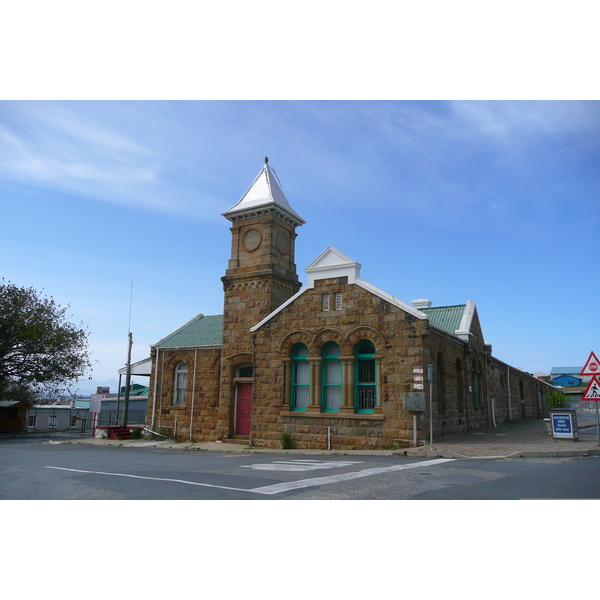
{"type": "Point", "coordinates": [243, 414]}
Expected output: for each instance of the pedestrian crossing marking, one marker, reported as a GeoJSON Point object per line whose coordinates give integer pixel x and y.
{"type": "Point", "coordinates": [300, 465]}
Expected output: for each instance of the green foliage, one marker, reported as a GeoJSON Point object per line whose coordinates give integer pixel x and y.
{"type": "Point", "coordinates": [557, 399]}
{"type": "Point", "coordinates": [286, 441]}
{"type": "Point", "coordinates": [137, 433]}
{"type": "Point", "coordinates": [17, 391]}
{"type": "Point", "coordinates": [38, 345]}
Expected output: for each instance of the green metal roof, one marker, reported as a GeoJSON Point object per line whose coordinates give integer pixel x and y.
{"type": "Point", "coordinates": [199, 331]}
{"type": "Point", "coordinates": [446, 317]}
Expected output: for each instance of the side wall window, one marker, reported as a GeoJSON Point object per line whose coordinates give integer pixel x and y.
{"type": "Point", "coordinates": [332, 378]}
{"type": "Point", "coordinates": [460, 387]}
{"type": "Point", "coordinates": [365, 377]}
{"type": "Point", "coordinates": [180, 383]}
{"type": "Point", "coordinates": [441, 384]}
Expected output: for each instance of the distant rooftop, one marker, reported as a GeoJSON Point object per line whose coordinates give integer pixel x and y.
{"type": "Point", "coordinates": [566, 370]}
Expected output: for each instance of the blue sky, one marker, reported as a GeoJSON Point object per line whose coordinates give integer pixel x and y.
{"type": "Point", "coordinates": [491, 201]}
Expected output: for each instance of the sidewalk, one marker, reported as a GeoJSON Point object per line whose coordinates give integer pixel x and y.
{"type": "Point", "coordinates": [525, 438]}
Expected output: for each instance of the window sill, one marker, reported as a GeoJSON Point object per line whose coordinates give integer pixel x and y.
{"type": "Point", "coordinates": [332, 415]}
{"type": "Point", "coordinates": [177, 406]}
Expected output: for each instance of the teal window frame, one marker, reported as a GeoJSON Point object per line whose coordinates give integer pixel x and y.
{"type": "Point", "coordinates": [331, 362]}
{"type": "Point", "coordinates": [300, 366]}
{"type": "Point", "coordinates": [364, 363]}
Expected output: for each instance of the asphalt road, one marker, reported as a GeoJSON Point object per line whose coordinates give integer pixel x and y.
{"type": "Point", "coordinates": [33, 468]}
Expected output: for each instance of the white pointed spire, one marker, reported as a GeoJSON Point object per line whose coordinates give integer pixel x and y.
{"type": "Point", "coordinates": [264, 196]}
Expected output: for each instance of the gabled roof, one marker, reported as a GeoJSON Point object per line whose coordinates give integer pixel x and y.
{"type": "Point", "coordinates": [264, 196]}
{"type": "Point", "coordinates": [199, 331]}
{"type": "Point", "coordinates": [332, 263]}
{"type": "Point", "coordinates": [446, 317]}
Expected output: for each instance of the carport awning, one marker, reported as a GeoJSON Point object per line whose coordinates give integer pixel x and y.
{"type": "Point", "coordinates": [142, 367]}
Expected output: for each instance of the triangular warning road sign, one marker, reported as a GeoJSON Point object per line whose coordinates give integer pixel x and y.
{"type": "Point", "coordinates": [592, 366]}
{"type": "Point", "coordinates": [593, 390]}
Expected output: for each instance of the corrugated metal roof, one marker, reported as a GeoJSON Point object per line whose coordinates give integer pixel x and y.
{"type": "Point", "coordinates": [446, 317]}
{"type": "Point", "coordinates": [566, 370]}
{"type": "Point", "coordinates": [200, 331]}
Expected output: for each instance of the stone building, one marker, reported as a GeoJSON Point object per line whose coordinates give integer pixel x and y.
{"type": "Point", "coordinates": [335, 364]}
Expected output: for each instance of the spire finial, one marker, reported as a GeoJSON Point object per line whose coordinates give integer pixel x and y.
{"type": "Point", "coordinates": [266, 160]}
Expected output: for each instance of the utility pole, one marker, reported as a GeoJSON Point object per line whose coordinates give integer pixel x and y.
{"type": "Point", "coordinates": [127, 383]}
{"type": "Point", "coordinates": [128, 375]}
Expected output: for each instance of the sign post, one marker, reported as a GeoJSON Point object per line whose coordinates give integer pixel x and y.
{"type": "Point", "coordinates": [592, 392]}
{"type": "Point", "coordinates": [95, 408]}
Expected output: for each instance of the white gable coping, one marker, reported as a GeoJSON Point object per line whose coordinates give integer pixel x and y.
{"type": "Point", "coordinates": [264, 195]}
{"type": "Point", "coordinates": [332, 263]}
{"type": "Point", "coordinates": [464, 329]}
{"type": "Point", "coordinates": [279, 309]}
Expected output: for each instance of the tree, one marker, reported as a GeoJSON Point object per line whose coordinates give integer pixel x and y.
{"type": "Point", "coordinates": [38, 345]}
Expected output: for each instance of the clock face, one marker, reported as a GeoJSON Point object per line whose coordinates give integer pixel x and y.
{"type": "Point", "coordinates": [251, 240]}
{"type": "Point", "coordinates": [283, 242]}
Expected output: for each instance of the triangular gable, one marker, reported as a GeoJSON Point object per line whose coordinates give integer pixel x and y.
{"type": "Point", "coordinates": [332, 263]}
{"type": "Point", "coordinates": [264, 195]}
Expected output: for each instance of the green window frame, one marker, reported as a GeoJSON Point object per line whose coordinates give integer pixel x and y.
{"type": "Point", "coordinates": [300, 383]}
{"type": "Point", "coordinates": [365, 378]}
{"type": "Point", "coordinates": [331, 378]}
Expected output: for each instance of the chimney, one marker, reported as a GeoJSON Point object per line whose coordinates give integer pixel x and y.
{"type": "Point", "coordinates": [421, 303]}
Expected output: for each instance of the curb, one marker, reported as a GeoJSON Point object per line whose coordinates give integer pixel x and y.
{"type": "Point", "coordinates": [419, 453]}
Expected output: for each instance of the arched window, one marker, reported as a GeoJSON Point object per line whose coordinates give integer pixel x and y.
{"type": "Point", "coordinates": [332, 378]}
{"type": "Point", "coordinates": [441, 383]}
{"type": "Point", "coordinates": [300, 392]}
{"type": "Point", "coordinates": [181, 372]}
{"type": "Point", "coordinates": [365, 377]}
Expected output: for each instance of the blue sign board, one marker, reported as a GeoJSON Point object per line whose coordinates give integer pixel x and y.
{"type": "Point", "coordinates": [564, 424]}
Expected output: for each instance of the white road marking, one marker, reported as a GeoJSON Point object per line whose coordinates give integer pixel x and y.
{"type": "Point", "coordinates": [294, 485]}
{"type": "Point", "coordinates": [300, 465]}
{"type": "Point", "coordinates": [278, 488]}
{"type": "Point", "coordinates": [222, 487]}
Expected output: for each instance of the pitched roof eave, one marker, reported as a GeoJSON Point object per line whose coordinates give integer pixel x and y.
{"type": "Point", "coordinates": [279, 309]}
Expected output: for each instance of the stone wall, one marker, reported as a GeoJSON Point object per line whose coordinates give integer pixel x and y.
{"type": "Point", "coordinates": [516, 394]}
{"type": "Point", "coordinates": [202, 394]}
{"type": "Point", "coordinates": [396, 336]}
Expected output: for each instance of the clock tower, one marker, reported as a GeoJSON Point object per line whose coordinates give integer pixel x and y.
{"type": "Point", "coordinates": [261, 273]}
